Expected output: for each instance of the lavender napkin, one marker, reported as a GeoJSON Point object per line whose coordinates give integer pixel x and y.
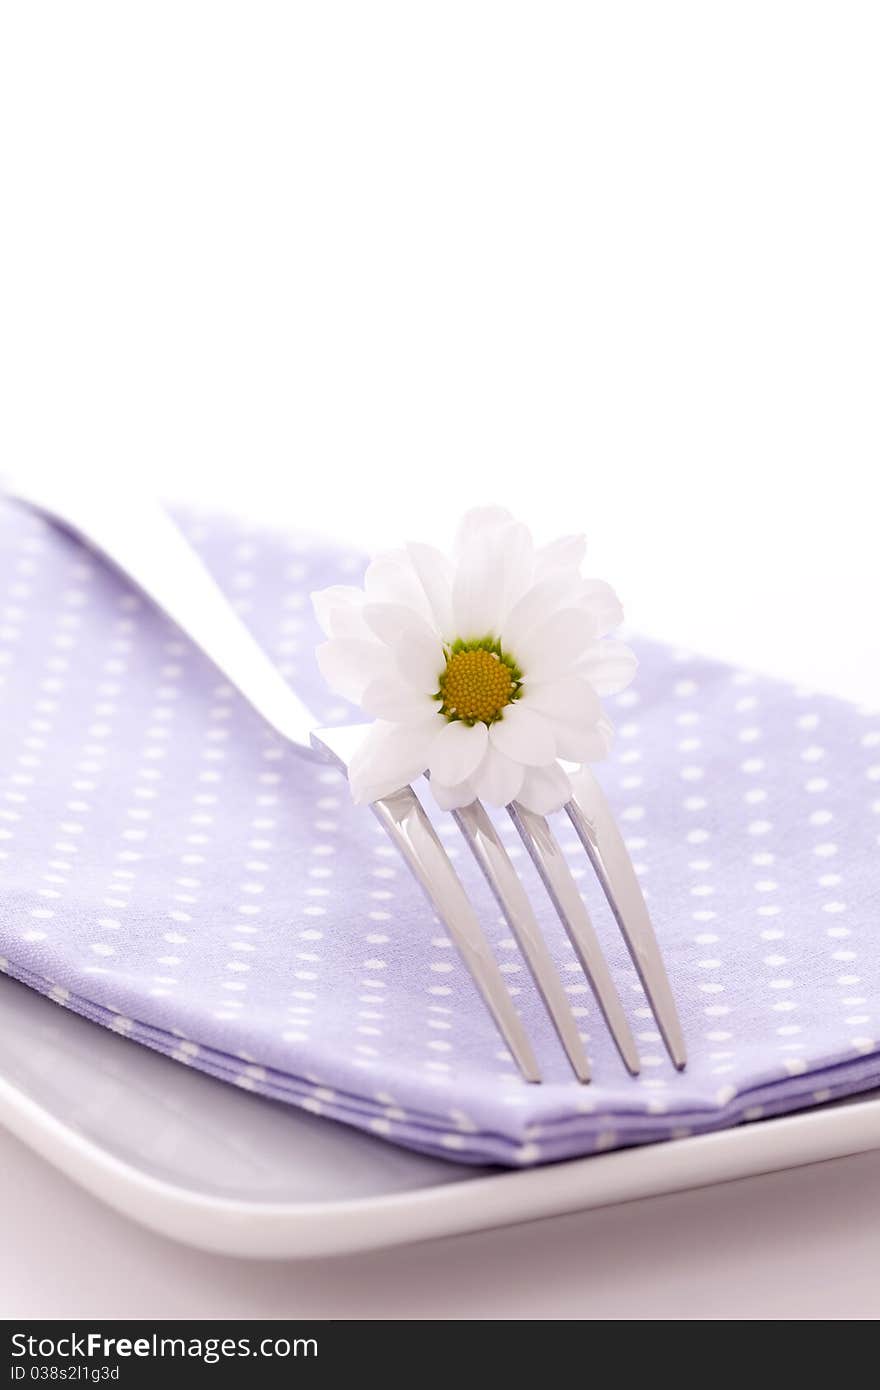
{"type": "Point", "coordinates": [170, 870]}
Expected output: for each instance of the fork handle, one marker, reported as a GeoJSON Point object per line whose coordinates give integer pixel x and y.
{"type": "Point", "coordinates": [140, 539]}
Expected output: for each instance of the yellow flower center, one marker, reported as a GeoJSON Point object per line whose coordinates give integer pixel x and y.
{"type": "Point", "coordinates": [475, 686]}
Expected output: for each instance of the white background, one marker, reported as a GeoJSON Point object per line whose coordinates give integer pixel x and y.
{"type": "Point", "coordinates": [358, 266]}
{"type": "Point", "coordinates": [361, 265]}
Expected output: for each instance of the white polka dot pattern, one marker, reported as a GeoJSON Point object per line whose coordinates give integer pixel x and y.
{"type": "Point", "coordinates": [169, 870]}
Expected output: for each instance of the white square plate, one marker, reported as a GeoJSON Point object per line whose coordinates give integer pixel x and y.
{"type": "Point", "coordinates": [216, 1167]}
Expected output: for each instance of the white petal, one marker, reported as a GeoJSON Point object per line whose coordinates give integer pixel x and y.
{"type": "Point", "coordinates": [477, 524]}
{"type": "Point", "coordinates": [339, 610]}
{"type": "Point", "coordinates": [474, 600]}
{"type": "Point", "coordinates": [390, 578]}
{"type": "Point", "coordinates": [493, 571]}
{"type": "Point", "coordinates": [609, 666]}
{"type": "Point", "coordinates": [498, 778]}
{"type": "Point", "coordinates": [565, 554]}
{"type": "Point", "coordinates": [420, 660]}
{"type": "Point", "coordinates": [348, 665]}
{"type": "Point", "coordinates": [577, 744]}
{"type": "Point", "coordinates": [603, 603]}
{"type": "Point", "coordinates": [545, 789]}
{"type": "Point", "coordinates": [390, 756]}
{"type": "Point", "coordinates": [514, 557]}
{"type": "Point", "coordinates": [553, 648]}
{"type": "Point", "coordinates": [576, 714]}
{"type": "Point", "coordinates": [390, 622]}
{"type": "Point", "coordinates": [391, 699]}
{"type": "Point", "coordinates": [535, 606]}
{"type": "Point", "coordinates": [524, 736]}
{"type": "Point", "coordinates": [451, 798]}
{"type": "Point", "coordinates": [435, 576]}
{"type": "Point", "coordinates": [596, 746]}
{"type": "Point", "coordinates": [457, 751]}
{"type": "Point", "coordinates": [570, 699]}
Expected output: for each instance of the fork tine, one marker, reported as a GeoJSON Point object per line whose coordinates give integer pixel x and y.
{"type": "Point", "coordinates": [485, 843]}
{"type": "Point", "coordinates": [549, 860]}
{"type": "Point", "coordinates": [597, 831]}
{"type": "Point", "coordinates": [403, 817]}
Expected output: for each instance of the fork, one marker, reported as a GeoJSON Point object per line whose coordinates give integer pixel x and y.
{"type": "Point", "coordinates": [142, 541]}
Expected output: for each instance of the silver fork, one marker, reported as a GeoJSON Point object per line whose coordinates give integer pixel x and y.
{"type": "Point", "coordinates": [142, 541]}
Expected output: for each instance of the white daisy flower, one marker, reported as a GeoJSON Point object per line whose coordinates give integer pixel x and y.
{"type": "Point", "coordinates": [483, 669]}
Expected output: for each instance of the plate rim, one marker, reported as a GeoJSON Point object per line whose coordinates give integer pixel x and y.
{"type": "Point", "coordinates": [313, 1229]}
